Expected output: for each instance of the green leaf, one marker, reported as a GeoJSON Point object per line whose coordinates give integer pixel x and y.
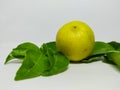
{"type": "Point", "coordinates": [50, 45]}
{"type": "Point", "coordinates": [115, 45]}
{"type": "Point", "coordinates": [92, 59]}
{"type": "Point", "coordinates": [58, 61]}
{"type": "Point", "coordinates": [114, 56]}
{"type": "Point", "coordinates": [34, 64]}
{"type": "Point", "coordinates": [99, 52]}
{"type": "Point", "coordinates": [102, 48]}
{"type": "Point", "coordinates": [59, 64]}
{"type": "Point", "coordinates": [46, 62]}
{"type": "Point", "coordinates": [20, 51]}
{"type": "Point", "coordinates": [49, 49]}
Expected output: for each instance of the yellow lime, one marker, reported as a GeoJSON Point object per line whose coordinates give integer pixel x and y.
{"type": "Point", "coordinates": [76, 40]}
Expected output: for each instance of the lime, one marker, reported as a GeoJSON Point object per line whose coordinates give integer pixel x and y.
{"type": "Point", "coordinates": [76, 40]}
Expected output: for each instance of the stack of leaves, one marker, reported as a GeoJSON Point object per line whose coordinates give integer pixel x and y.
{"type": "Point", "coordinates": [47, 61]}
{"type": "Point", "coordinates": [106, 52]}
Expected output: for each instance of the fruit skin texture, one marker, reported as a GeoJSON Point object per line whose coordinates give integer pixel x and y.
{"type": "Point", "coordinates": [76, 40]}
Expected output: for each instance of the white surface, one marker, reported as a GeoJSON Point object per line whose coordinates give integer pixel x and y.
{"type": "Point", "coordinates": [38, 21]}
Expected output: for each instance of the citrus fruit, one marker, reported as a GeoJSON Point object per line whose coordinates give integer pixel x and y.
{"type": "Point", "coordinates": [76, 40]}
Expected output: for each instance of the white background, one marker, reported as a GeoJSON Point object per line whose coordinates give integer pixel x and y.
{"type": "Point", "coordinates": [38, 21]}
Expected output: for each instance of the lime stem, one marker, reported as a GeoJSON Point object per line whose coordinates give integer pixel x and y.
{"type": "Point", "coordinates": [75, 27]}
